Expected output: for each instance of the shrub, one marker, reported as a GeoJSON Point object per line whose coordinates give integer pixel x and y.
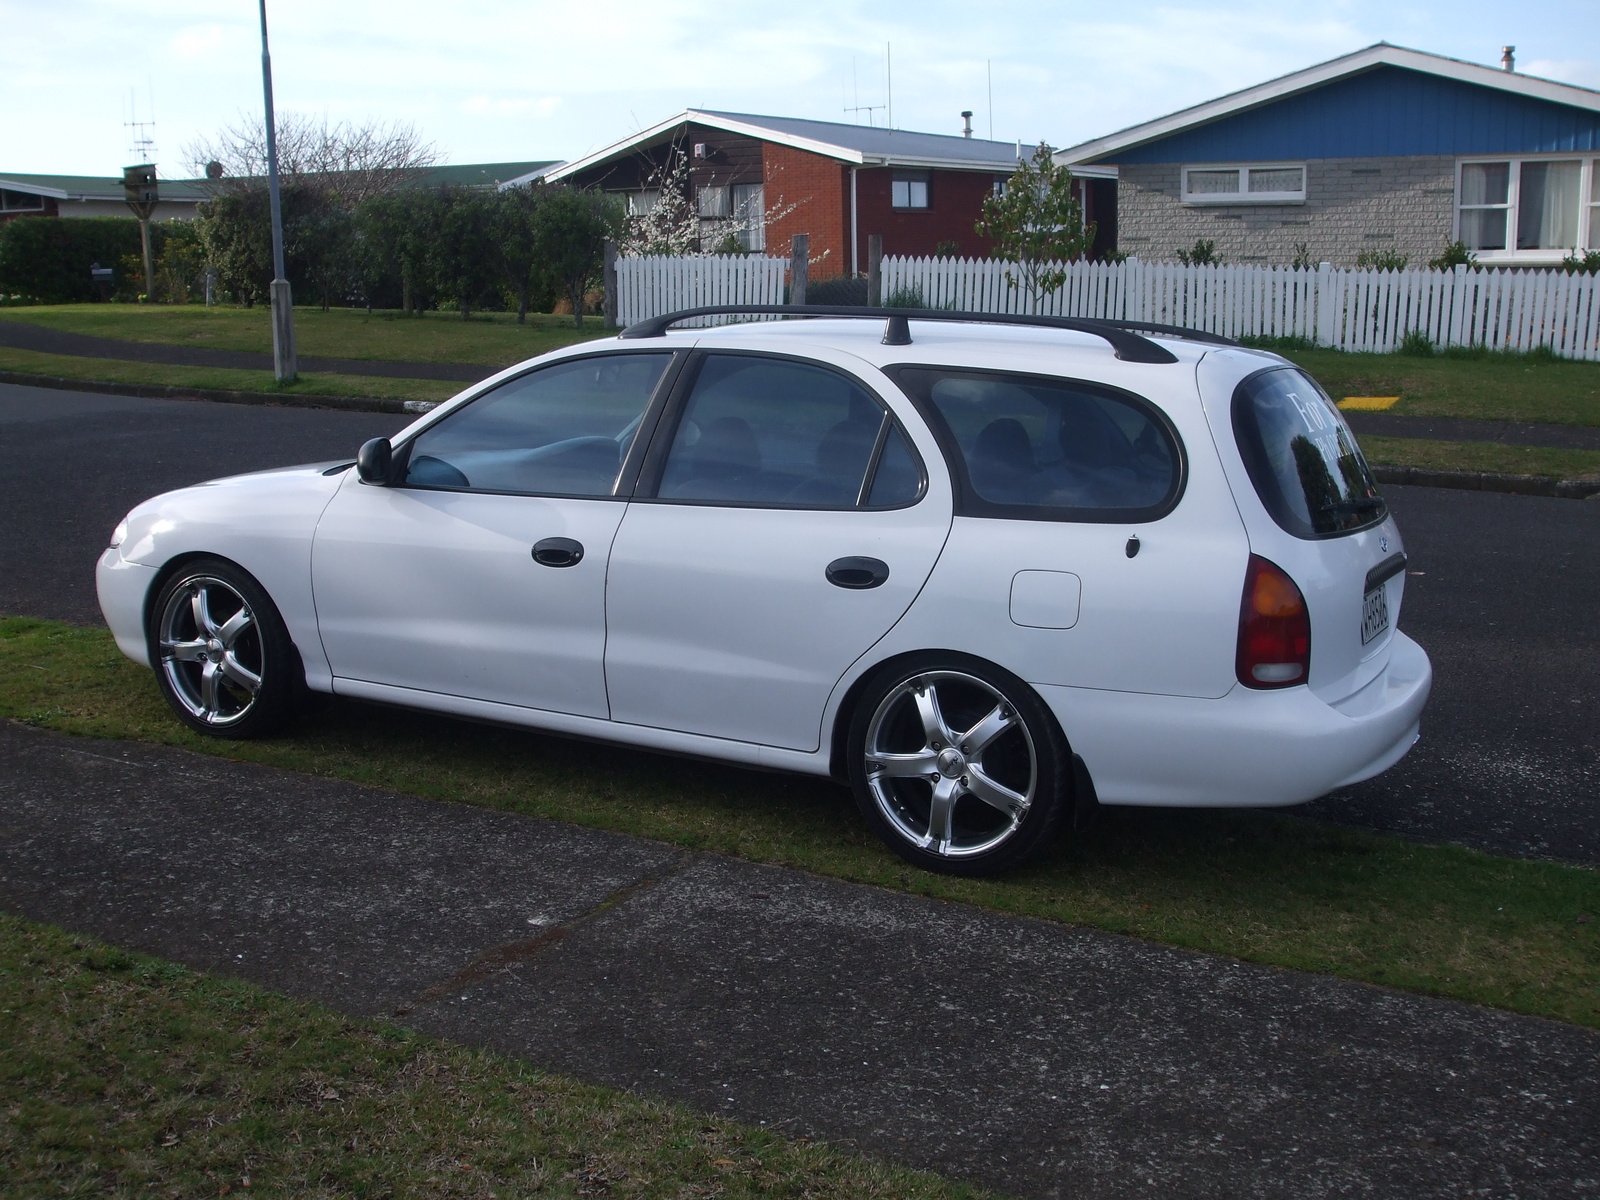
{"type": "Point", "coordinates": [1416, 343]}
{"type": "Point", "coordinates": [1202, 253]}
{"type": "Point", "coordinates": [905, 297]}
{"type": "Point", "coordinates": [1383, 260]}
{"type": "Point", "coordinates": [846, 291]}
{"type": "Point", "coordinates": [47, 259]}
{"type": "Point", "coordinates": [1454, 254]}
{"type": "Point", "coordinates": [1587, 263]}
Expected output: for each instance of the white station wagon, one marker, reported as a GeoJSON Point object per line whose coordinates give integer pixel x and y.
{"type": "Point", "coordinates": [991, 571]}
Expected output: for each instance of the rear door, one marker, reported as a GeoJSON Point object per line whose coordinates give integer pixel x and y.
{"type": "Point", "coordinates": [783, 525]}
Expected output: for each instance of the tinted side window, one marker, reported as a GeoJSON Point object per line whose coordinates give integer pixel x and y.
{"type": "Point", "coordinates": [1302, 457]}
{"type": "Point", "coordinates": [1054, 449]}
{"type": "Point", "coordinates": [560, 431]}
{"type": "Point", "coordinates": [776, 432]}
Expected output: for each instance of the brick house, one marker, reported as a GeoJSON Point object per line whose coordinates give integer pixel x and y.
{"type": "Point", "coordinates": [762, 179]}
{"type": "Point", "coordinates": [1386, 149]}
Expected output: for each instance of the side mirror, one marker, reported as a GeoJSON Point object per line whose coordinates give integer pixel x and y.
{"type": "Point", "coordinates": [374, 461]}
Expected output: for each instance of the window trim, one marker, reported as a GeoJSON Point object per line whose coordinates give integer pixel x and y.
{"type": "Point", "coordinates": [6, 207]}
{"type": "Point", "coordinates": [627, 474]}
{"type": "Point", "coordinates": [1243, 195]}
{"type": "Point", "coordinates": [967, 501]}
{"type": "Point", "coordinates": [654, 465]}
{"type": "Point", "coordinates": [1588, 199]}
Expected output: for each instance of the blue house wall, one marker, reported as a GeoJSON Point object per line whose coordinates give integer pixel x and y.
{"type": "Point", "coordinates": [1385, 112]}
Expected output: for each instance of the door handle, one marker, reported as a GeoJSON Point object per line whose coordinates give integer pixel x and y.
{"type": "Point", "coordinates": [857, 574]}
{"type": "Point", "coordinates": [558, 552]}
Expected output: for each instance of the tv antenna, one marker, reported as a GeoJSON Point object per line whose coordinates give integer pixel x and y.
{"type": "Point", "coordinates": [859, 107]}
{"type": "Point", "coordinates": [142, 142]}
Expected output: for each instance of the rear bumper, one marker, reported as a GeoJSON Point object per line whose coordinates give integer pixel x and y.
{"type": "Point", "coordinates": [1249, 748]}
{"type": "Point", "coordinates": [123, 588]}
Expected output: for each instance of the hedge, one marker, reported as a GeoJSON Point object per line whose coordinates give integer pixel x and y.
{"type": "Point", "coordinates": [46, 259]}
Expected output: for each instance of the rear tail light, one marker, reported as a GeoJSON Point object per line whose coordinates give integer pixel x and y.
{"type": "Point", "coordinates": [1274, 629]}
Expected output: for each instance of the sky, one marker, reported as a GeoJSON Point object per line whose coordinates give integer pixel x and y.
{"type": "Point", "coordinates": [515, 80]}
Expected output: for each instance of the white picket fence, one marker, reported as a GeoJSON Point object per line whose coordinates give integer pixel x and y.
{"type": "Point", "coordinates": [1342, 308]}
{"type": "Point", "coordinates": [650, 286]}
{"type": "Point", "coordinates": [1348, 309]}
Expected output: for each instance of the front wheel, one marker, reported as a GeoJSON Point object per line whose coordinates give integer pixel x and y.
{"type": "Point", "coordinates": [222, 653]}
{"type": "Point", "coordinates": [959, 766]}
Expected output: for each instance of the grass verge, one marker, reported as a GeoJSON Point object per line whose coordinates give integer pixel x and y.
{"type": "Point", "coordinates": [1439, 920]}
{"type": "Point", "coordinates": [123, 1075]}
{"type": "Point", "coordinates": [1496, 387]}
{"type": "Point", "coordinates": [1495, 457]}
{"type": "Point", "coordinates": [492, 339]}
{"type": "Point", "coordinates": [113, 370]}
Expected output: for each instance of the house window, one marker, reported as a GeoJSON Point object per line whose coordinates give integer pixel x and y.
{"type": "Point", "coordinates": [20, 202]}
{"type": "Point", "coordinates": [750, 215]}
{"type": "Point", "coordinates": [640, 203]}
{"type": "Point", "coordinates": [1535, 207]}
{"type": "Point", "coordinates": [1000, 182]}
{"type": "Point", "coordinates": [713, 202]}
{"type": "Point", "coordinates": [909, 189]}
{"type": "Point", "coordinates": [1254, 183]}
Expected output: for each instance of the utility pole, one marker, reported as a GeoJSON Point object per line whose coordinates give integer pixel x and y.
{"type": "Point", "coordinates": [283, 357]}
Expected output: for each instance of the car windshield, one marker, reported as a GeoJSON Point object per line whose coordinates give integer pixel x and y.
{"type": "Point", "coordinates": [1302, 458]}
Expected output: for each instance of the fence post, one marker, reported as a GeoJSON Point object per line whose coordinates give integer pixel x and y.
{"type": "Point", "coordinates": [1327, 320]}
{"type": "Point", "coordinates": [799, 267]}
{"type": "Point", "coordinates": [609, 282]}
{"type": "Point", "coordinates": [874, 270]}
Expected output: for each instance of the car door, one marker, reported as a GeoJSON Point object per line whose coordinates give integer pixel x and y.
{"type": "Point", "coordinates": [783, 524]}
{"type": "Point", "coordinates": [481, 571]}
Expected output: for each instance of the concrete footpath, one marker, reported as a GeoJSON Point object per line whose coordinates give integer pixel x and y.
{"type": "Point", "coordinates": [1041, 1060]}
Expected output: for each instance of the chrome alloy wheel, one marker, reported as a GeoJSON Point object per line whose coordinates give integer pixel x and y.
{"type": "Point", "coordinates": [950, 764]}
{"type": "Point", "coordinates": [210, 647]}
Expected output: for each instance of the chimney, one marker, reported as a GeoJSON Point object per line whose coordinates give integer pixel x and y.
{"type": "Point", "coordinates": [966, 122]}
{"type": "Point", "coordinates": [1508, 58]}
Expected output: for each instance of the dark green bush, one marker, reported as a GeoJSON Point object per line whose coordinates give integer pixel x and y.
{"type": "Point", "coordinates": [46, 259]}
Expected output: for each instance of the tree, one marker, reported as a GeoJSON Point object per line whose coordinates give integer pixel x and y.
{"type": "Point", "coordinates": [514, 228]}
{"type": "Point", "coordinates": [350, 162]}
{"type": "Point", "coordinates": [464, 256]}
{"type": "Point", "coordinates": [1037, 224]}
{"type": "Point", "coordinates": [670, 225]}
{"type": "Point", "coordinates": [570, 237]}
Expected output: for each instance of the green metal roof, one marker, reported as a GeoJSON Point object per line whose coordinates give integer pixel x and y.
{"type": "Point", "coordinates": [481, 174]}
{"type": "Point", "coordinates": [94, 187]}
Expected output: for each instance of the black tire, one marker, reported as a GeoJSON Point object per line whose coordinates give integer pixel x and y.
{"type": "Point", "coordinates": [213, 630]}
{"type": "Point", "coordinates": [1008, 795]}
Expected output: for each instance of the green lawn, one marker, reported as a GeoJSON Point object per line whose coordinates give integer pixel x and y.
{"type": "Point", "coordinates": [110, 370]}
{"type": "Point", "coordinates": [491, 339]}
{"type": "Point", "coordinates": [1494, 457]}
{"type": "Point", "coordinates": [1488, 386]}
{"type": "Point", "coordinates": [122, 1075]}
{"type": "Point", "coordinates": [1273, 889]}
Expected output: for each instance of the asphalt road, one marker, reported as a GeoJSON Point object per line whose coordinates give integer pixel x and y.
{"type": "Point", "coordinates": [1505, 598]}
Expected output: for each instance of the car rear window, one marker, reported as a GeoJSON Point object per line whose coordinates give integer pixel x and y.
{"type": "Point", "coordinates": [1301, 456]}
{"type": "Point", "coordinates": [1043, 448]}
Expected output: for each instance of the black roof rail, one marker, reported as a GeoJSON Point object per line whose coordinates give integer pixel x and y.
{"type": "Point", "coordinates": [1122, 335]}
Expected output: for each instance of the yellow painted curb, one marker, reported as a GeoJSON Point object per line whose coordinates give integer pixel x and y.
{"type": "Point", "coordinates": [1369, 403]}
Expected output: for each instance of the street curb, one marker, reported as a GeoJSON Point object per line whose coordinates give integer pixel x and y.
{"type": "Point", "coordinates": [1484, 481]}
{"type": "Point", "coordinates": [155, 391]}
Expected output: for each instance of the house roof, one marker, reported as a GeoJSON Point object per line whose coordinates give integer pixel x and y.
{"type": "Point", "coordinates": [1373, 57]}
{"type": "Point", "coordinates": [865, 145]}
{"type": "Point", "coordinates": [94, 187]}
{"type": "Point", "coordinates": [485, 174]}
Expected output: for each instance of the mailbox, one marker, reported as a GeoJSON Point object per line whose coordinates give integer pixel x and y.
{"type": "Point", "coordinates": [139, 184]}
{"type": "Point", "coordinates": [103, 278]}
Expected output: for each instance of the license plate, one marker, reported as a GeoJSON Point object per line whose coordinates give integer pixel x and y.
{"type": "Point", "coordinates": [1374, 613]}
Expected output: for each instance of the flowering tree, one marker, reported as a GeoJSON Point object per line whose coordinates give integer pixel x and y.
{"type": "Point", "coordinates": [670, 225]}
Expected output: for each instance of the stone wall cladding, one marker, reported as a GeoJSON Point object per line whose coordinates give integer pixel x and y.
{"type": "Point", "coordinates": [1352, 205]}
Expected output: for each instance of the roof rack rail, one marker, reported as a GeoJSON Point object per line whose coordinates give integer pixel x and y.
{"type": "Point", "coordinates": [1124, 336]}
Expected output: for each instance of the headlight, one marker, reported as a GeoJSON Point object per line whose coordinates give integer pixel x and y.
{"type": "Point", "coordinates": [120, 532]}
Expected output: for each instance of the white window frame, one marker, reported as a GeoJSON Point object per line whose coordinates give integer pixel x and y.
{"type": "Point", "coordinates": [908, 179]}
{"type": "Point", "coordinates": [32, 208]}
{"type": "Point", "coordinates": [1244, 195]}
{"type": "Point", "coordinates": [1588, 200]}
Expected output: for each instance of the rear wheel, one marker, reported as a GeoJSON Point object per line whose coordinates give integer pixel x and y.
{"type": "Point", "coordinates": [222, 654]}
{"type": "Point", "coordinates": [959, 766]}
